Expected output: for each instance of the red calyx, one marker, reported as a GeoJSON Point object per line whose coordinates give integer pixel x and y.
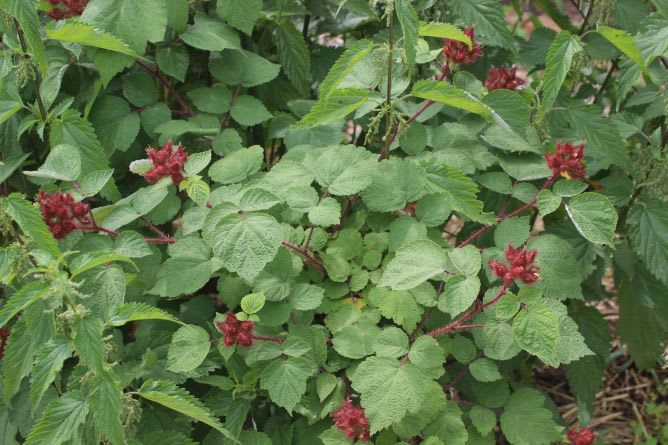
{"type": "Point", "coordinates": [503, 77]}
{"type": "Point", "coordinates": [61, 213]}
{"type": "Point", "coordinates": [4, 335]}
{"type": "Point", "coordinates": [235, 331]}
{"type": "Point", "coordinates": [585, 436]}
{"type": "Point", "coordinates": [459, 52]}
{"type": "Point", "coordinates": [351, 420]}
{"type": "Point", "coordinates": [63, 9]}
{"type": "Point", "coordinates": [521, 266]}
{"type": "Point", "coordinates": [567, 158]}
{"type": "Point", "coordinates": [166, 162]}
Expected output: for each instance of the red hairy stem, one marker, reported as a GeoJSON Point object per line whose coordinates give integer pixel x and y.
{"type": "Point", "coordinates": [155, 72]}
{"type": "Point", "coordinates": [516, 212]}
{"type": "Point", "coordinates": [160, 240]}
{"type": "Point", "coordinates": [272, 339]}
{"type": "Point", "coordinates": [458, 324]}
{"type": "Point", "coordinates": [154, 228]}
{"type": "Point", "coordinates": [310, 259]}
{"type": "Point", "coordinates": [310, 232]}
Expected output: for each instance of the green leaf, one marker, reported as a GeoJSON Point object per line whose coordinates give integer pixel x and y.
{"type": "Point", "coordinates": [426, 353]}
{"type": "Point", "coordinates": [389, 390]}
{"type": "Point", "coordinates": [443, 31]}
{"type": "Point", "coordinates": [197, 162]}
{"type": "Point", "coordinates": [326, 213]}
{"type": "Point", "coordinates": [560, 274]}
{"type": "Point", "coordinates": [253, 303]}
{"type": "Point", "coordinates": [92, 183]}
{"type": "Point", "coordinates": [29, 219]}
{"type": "Point", "coordinates": [63, 163]}
{"type": "Point", "coordinates": [88, 342]}
{"type": "Point", "coordinates": [184, 275]}
{"type": "Point", "coordinates": [242, 67]}
{"type": "Point", "coordinates": [249, 111]}
{"type": "Point", "coordinates": [557, 64]}
{"type": "Point", "coordinates": [459, 293]}
{"type": "Point", "coordinates": [246, 243]}
{"type": "Point", "coordinates": [73, 31]}
{"type": "Point", "coordinates": [167, 394]}
{"type": "Point", "coordinates": [131, 244]}
{"type": "Point", "coordinates": [594, 216]}
{"type": "Point", "coordinates": [483, 419]}
{"type": "Point", "coordinates": [18, 358]}
{"type": "Point", "coordinates": [445, 93]}
{"type": "Point", "coordinates": [513, 231]}
{"type": "Point", "coordinates": [536, 330]}
{"type": "Point", "coordinates": [488, 19]}
{"type": "Point", "coordinates": [10, 102]}
{"type": "Point", "coordinates": [48, 362]}
{"type": "Point", "coordinates": [344, 65]}
{"type": "Point", "coordinates": [21, 300]}
{"type": "Point", "coordinates": [624, 42]}
{"type": "Point", "coordinates": [399, 305]}
{"type": "Point", "coordinates": [409, 26]}
{"type": "Point", "coordinates": [527, 407]}
{"type": "Point", "coordinates": [138, 311]}
{"type": "Point", "coordinates": [210, 34]}
{"type": "Point", "coordinates": [199, 192]}
{"type": "Point", "coordinates": [484, 370]}
{"type": "Point", "coordinates": [294, 56]}
{"type": "Point", "coordinates": [306, 297]}
{"type": "Point", "coordinates": [394, 183]}
{"type": "Point", "coordinates": [465, 260]}
{"type": "Point", "coordinates": [332, 108]}
{"type": "Point", "coordinates": [242, 14]}
{"type": "Point", "coordinates": [71, 128]}
{"type": "Point", "coordinates": [116, 126]}
{"type": "Point", "coordinates": [547, 202]}
{"type": "Point", "coordinates": [12, 163]}
{"type": "Point", "coordinates": [25, 12]}
{"type": "Point", "coordinates": [215, 99]}
{"type": "Point", "coordinates": [90, 260]}
{"type": "Point", "coordinates": [173, 60]}
{"type": "Point", "coordinates": [391, 342]}
{"type": "Point", "coordinates": [344, 170]}
{"type": "Point", "coordinates": [413, 264]}
{"type": "Point", "coordinates": [648, 229]}
{"type": "Point", "coordinates": [448, 426]}
{"type": "Point", "coordinates": [59, 422]}
{"type": "Point", "coordinates": [105, 401]}
{"type": "Point", "coordinates": [237, 166]}
{"type": "Point", "coordinates": [188, 349]}
{"type": "Point", "coordinates": [285, 380]}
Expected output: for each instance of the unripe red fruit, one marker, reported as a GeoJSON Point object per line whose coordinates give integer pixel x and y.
{"type": "Point", "coordinates": [502, 78]}
{"type": "Point", "coordinates": [61, 213]}
{"type": "Point", "coordinates": [351, 420]}
{"type": "Point", "coordinates": [521, 266]}
{"type": "Point", "coordinates": [459, 53]}
{"type": "Point", "coordinates": [567, 158]}
{"type": "Point", "coordinates": [236, 332]}
{"type": "Point", "coordinates": [166, 162]}
{"type": "Point", "coordinates": [585, 436]}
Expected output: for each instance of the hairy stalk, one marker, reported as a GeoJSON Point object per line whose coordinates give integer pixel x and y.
{"type": "Point", "coordinates": [385, 152]}
{"type": "Point", "coordinates": [271, 339]}
{"type": "Point", "coordinates": [35, 79]}
{"type": "Point", "coordinates": [155, 72]}
{"type": "Point", "coordinates": [310, 259]}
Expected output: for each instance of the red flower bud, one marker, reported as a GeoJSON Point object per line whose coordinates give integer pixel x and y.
{"type": "Point", "coordinates": [502, 78]}
{"type": "Point", "coordinates": [351, 420]}
{"type": "Point", "coordinates": [61, 213]}
{"type": "Point", "coordinates": [166, 162]}
{"type": "Point", "coordinates": [459, 53]}
{"type": "Point", "coordinates": [521, 266]}
{"type": "Point", "coordinates": [585, 436]}
{"type": "Point", "coordinates": [567, 158]}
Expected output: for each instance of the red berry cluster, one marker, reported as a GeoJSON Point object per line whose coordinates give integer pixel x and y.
{"type": "Point", "coordinates": [521, 266]}
{"type": "Point", "coordinates": [567, 158]}
{"type": "Point", "coordinates": [166, 162]}
{"type": "Point", "coordinates": [585, 436]}
{"type": "Point", "coordinates": [503, 77]}
{"type": "Point", "coordinates": [4, 335]}
{"type": "Point", "coordinates": [351, 420]}
{"type": "Point", "coordinates": [62, 214]}
{"type": "Point", "coordinates": [235, 331]}
{"type": "Point", "coordinates": [459, 52]}
{"type": "Point", "coordinates": [63, 9]}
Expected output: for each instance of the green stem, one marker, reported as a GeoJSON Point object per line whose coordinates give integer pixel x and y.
{"type": "Point", "coordinates": [35, 80]}
{"type": "Point", "coordinates": [385, 153]}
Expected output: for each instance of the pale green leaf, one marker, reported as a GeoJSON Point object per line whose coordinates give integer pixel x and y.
{"type": "Point", "coordinates": [413, 264]}
{"type": "Point", "coordinates": [63, 163]}
{"type": "Point", "coordinates": [285, 380]}
{"type": "Point", "coordinates": [188, 349]}
{"type": "Point", "coordinates": [594, 216]}
{"type": "Point", "coordinates": [59, 422]}
{"type": "Point", "coordinates": [73, 31]}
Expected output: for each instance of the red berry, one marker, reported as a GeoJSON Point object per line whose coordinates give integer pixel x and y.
{"type": "Point", "coordinates": [236, 332]}
{"type": "Point", "coordinates": [61, 213]}
{"type": "Point", "coordinates": [567, 158]}
{"type": "Point", "coordinates": [502, 78]}
{"type": "Point", "coordinates": [459, 53]}
{"type": "Point", "coordinates": [166, 162]}
{"type": "Point", "coordinates": [585, 436]}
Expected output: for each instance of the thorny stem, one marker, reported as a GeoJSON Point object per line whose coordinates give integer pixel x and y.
{"type": "Point", "coordinates": [160, 240]}
{"type": "Point", "coordinates": [526, 206]}
{"type": "Point", "coordinates": [458, 324]}
{"type": "Point", "coordinates": [155, 72]}
{"type": "Point", "coordinates": [35, 81]}
{"type": "Point", "coordinates": [154, 228]}
{"type": "Point", "coordinates": [310, 259]}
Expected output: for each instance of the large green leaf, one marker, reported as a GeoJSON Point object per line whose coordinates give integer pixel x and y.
{"type": "Point", "coordinates": [487, 18]}
{"type": "Point", "coordinates": [445, 93]}
{"type": "Point", "coordinates": [624, 42]}
{"type": "Point", "coordinates": [242, 14]}
{"type": "Point", "coordinates": [105, 401]}
{"type": "Point", "coordinates": [294, 55]}
{"type": "Point", "coordinates": [557, 64]}
{"type": "Point", "coordinates": [88, 342]}
{"type": "Point", "coordinates": [344, 66]}
{"type": "Point", "coordinates": [594, 216]}
{"type": "Point", "coordinates": [63, 163]}
{"type": "Point", "coordinates": [527, 407]}
{"type": "Point", "coordinates": [49, 361]}
{"type": "Point", "coordinates": [334, 107]}
{"type": "Point", "coordinates": [409, 25]}
{"type": "Point", "coordinates": [25, 12]}
{"type": "Point", "coordinates": [188, 349]}
{"type": "Point", "coordinates": [648, 229]}
{"type": "Point", "coordinates": [286, 380]}
{"type": "Point", "coordinates": [30, 221]}
{"type": "Point", "coordinates": [394, 183]}
{"type": "Point", "coordinates": [413, 264]}
{"type": "Point", "coordinates": [72, 31]}
{"type": "Point", "coordinates": [59, 422]}
{"type": "Point", "coordinates": [21, 299]}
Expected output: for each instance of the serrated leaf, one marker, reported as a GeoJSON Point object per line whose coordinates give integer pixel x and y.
{"type": "Point", "coordinates": [25, 12]}
{"type": "Point", "coordinates": [557, 64]}
{"type": "Point", "coordinates": [63, 163]}
{"type": "Point", "coordinates": [184, 275]}
{"type": "Point", "coordinates": [648, 229]}
{"type": "Point", "coordinates": [459, 293]}
{"type": "Point", "coordinates": [138, 311]}
{"type": "Point", "coordinates": [409, 25]}
{"type": "Point", "coordinates": [18, 358]}
{"type": "Point", "coordinates": [59, 422]}
{"type": "Point", "coordinates": [527, 407]}
{"type": "Point", "coordinates": [447, 94]}
{"type": "Point", "coordinates": [483, 419]}
{"type": "Point", "coordinates": [73, 31]}
{"type": "Point", "coordinates": [413, 264]}
{"type": "Point", "coordinates": [285, 380]}
{"type": "Point", "coordinates": [105, 403]}
{"type": "Point", "coordinates": [242, 14]}
{"type": "Point", "coordinates": [398, 305]}
{"type": "Point", "coordinates": [167, 394]}
{"type": "Point", "coordinates": [210, 34]}
{"type": "Point", "coordinates": [294, 56]}
{"type": "Point", "coordinates": [443, 31]}
{"type": "Point", "coordinates": [29, 219]}
{"type": "Point", "coordinates": [394, 182]}
{"type": "Point", "coordinates": [22, 299]}
{"type": "Point", "coordinates": [93, 182]}
{"type": "Point", "coordinates": [88, 342]}
{"type": "Point", "coordinates": [326, 213]}
{"type": "Point", "coordinates": [426, 353]}
{"type": "Point", "coordinates": [188, 349]}
{"type": "Point", "coordinates": [536, 330]}
{"type": "Point", "coordinates": [332, 108]}
{"type": "Point", "coordinates": [249, 111]}
{"type": "Point", "coordinates": [344, 66]}
{"type": "Point", "coordinates": [48, 362]}
{"type": "Point", "coordinates": [197, 162]}
{"type": "Point", "coordinates": [199, 192]}
{"type": "Point", "coordinates": [391, 342]}
{"type": "Point", "coordinates": [252, 303]}
{"type": "Point", "coordinates": [237, 166]}
{"type": "Point", "coordinates": [594, 216]}
{"type": "Point", "coordinates": [344, 170]}
{"type": "Point", "coordinates": [489, 21]}
{"type": "Point", "coordinates": [624, 42]}
{"type": "Point", "coordinates": [547, 202]}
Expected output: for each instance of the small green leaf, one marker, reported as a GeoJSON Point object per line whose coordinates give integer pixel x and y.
{"type": "Point", "coordinates": [210, 34]}
{"type": "Point", "coordinates": [409, 25]}
{"type": "Point", "coordinates": [594, 216]}
{"type": "Point", "coordinates": [62, 164]}
{"type": "Point", "coordinates": [188, 349]}
{"type": "Point", "coordinates": [138, 311]}
{"type": "Point", "coordinates": [252, 303]}
{"type": "Point", "coordinates": [391, 342]}
{"type": "Point", "coordinates": [557, 64]}
{"type": "Point", "coordinates": [21, 300]}
{"type": "Point", "coordinates": [443, 31]}
{"type": "Point", "coordinates": [413, 264]}
{"type": "Point", "coordinates": [536, 330]}
{"type": "Point", "coordinates": [197, 162]}
{"type": "Point", "coordinates": [332, 108]}
{"type": "Point", "coordinates": [445, 93]}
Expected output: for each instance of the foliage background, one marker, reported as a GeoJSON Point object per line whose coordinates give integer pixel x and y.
{"type": "Point", "coordinates": [112, 337]}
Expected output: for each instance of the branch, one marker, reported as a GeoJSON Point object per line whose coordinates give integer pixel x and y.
{"type": "Point", "coordinates": [385, 152]}
{"type": "Point", "coordinates": [587, 17]}
{"type": "Point", "coordinates": [310, 259]}
{"type": "Point", "coordinates": [155, 72]}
